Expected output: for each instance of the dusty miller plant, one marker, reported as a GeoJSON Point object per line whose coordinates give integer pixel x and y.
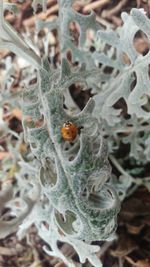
{"type": "Point", "coordinates": [66, 188]}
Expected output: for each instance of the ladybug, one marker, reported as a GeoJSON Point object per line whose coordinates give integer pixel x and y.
{"type": "Point", "coordinates": [69, 131]}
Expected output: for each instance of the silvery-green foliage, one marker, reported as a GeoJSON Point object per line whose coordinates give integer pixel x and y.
{"type": "Point", "coordinates": [129, 80]}
{"type": "Point", "coordinates": [10, 39]}
{"type": "Point", "coordinates": [76, 201]}
{"type": "Point", "coordinates": [136, 69]}
{"type": "Point", "coordinates": [74, 198]}
{"type": "Point", "coordinates": [19, 212]}
{"type": "Point", "coordinates": [73, 177]}
{"type": "Point", "coordinates": [126, 184]}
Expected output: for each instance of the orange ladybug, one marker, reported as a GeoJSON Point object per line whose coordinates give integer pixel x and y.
{"type": "Point", "coordinates": [69, 131]}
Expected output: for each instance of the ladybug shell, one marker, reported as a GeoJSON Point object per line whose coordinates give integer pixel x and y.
{"type": "Point", "coordinates": [69, 131]}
